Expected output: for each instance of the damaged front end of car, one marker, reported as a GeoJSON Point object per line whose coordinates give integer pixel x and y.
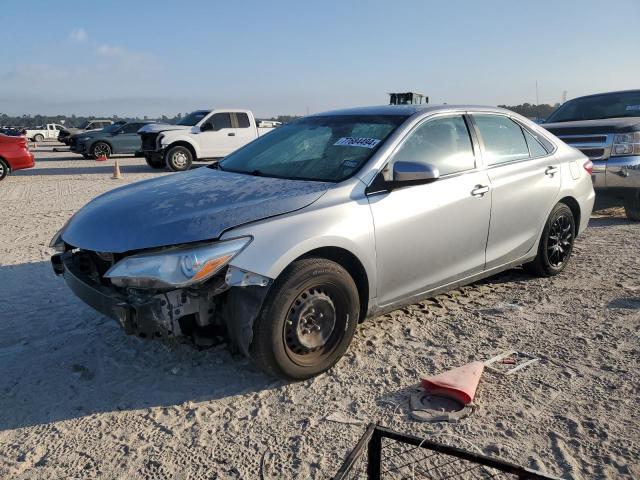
{"type": "Point", "coordinates": [189, 291]}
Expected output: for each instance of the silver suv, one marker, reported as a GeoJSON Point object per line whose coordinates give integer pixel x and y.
{"type": "Point", "coordinates": [291, 241]}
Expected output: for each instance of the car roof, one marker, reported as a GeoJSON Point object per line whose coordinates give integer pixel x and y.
{"type": "Point", "coordinates": [409, 110]}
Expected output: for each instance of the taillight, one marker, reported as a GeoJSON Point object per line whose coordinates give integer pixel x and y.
{"type": "Point", "coordinates": [588, 166]}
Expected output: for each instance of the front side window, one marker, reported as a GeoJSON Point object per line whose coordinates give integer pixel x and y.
{"type": "Point", "coordinates": [443, 143]}
{"type": "Point", "coordinates": [325, 148]}
{"type": "Point", "coordinates": [220, 121]}
{"type": "Point", "coordinates": [503, 139]}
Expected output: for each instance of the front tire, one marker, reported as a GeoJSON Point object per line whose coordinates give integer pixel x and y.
{"type": "Point", "coordinates": [178, 158]}
{"type": "Point", "coordinates": [4, 169]}
{"type": "Point", "coordinates": [155, 164]}
{"type": "Point", "coordinates": [556, 243]}
{"type": "Point", "coordinates": [307, 321]}
{"type": "Point", "coordinates": [100, 149]}
{"type": "Point", "coordinates": [632, 206]}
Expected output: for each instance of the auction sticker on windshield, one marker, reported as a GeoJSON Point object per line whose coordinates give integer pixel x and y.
{"type": "Point", "coordinates": [357, 142]}
{"type": "Point", "coordinates": [632, 108]}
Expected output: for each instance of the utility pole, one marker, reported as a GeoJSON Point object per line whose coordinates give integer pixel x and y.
{"type": "Point", "coordinates": [537, 102]}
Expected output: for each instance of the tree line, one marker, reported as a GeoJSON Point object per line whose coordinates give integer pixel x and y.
{"type": "Point", "coordinates": [530, 110]}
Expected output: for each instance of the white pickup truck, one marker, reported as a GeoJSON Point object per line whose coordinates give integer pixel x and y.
{"type": "Point", "coordinates": [50, 131]}
{"type": "Point", "coordinates": [200, 135]}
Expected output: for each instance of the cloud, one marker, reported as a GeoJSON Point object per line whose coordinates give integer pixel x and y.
{"type": "Point", "coordinates": [78, 35]}
{"type": "Point", "coordinates": [111, 51]}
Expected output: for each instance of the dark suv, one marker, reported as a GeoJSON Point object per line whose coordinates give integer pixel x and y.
{"type": "Point", "coordinates": [118, 138]}
{"type": "Point", "coordinates": [606, 128]}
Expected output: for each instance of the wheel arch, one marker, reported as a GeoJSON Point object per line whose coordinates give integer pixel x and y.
{"type": "Point", "coordinates": [186, 144]}
{"type": "Point", "coordinates": [574, 206]}
{"type": "Point", "coordinates": [100, 140]}
{"type": "Point", "coordinates": [352, 264]}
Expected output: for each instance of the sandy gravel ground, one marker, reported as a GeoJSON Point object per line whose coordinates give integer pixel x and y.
{"type": "Point", "coordinates": [79, 399]}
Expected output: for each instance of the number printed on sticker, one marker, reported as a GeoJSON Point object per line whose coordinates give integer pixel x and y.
{"type": "Point", "coordinates": [357, 142]}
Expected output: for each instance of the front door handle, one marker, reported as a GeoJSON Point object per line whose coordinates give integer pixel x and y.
{"type": "Point", "coordinates": [551, 171]}
{"type": "Point", "coordinates": [231, 134]}
{"type": "Point", "coordinates": [480, 190]}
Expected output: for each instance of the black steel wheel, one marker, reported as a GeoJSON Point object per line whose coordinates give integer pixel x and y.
{"type": "Point", "coordinates": [308, 320]}
{"type": "Point", "coordinates": [100, 149]}
{"type": "Point", "coordinates": [556, 243]}
{"type": "Point", "coordinates": [4, 169]}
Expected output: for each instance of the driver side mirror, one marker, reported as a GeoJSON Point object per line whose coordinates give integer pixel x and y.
{"type": "Point", "coordinates": [206, 127]}
{"type": "Point", "coordinates": [414, 173]}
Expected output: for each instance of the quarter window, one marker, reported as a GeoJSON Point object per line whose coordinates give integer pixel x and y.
{"type": "Point", "coordinates": [243, 120]}
{"type": "Point", "coordinates": [503, 139]}
{"type": "Point", "coordinates": [442, 142]}
{"type": "Point", "coordinates": [535, 148]}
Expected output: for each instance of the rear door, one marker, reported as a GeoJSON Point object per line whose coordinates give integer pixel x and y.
{"type": "Point", "coordinates": [220, 139]}
{"type": "Point", "coordinates": [525, 180]}
{"type": "Point", "coordinates": [244, 132]}
{"type": "Point", "coordinates": [431, 235]}
{"type": "Point", "coordinates": [128, 140]}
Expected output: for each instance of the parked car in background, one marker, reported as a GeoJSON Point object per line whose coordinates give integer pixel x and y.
{"type": "Point", "coordinates": [606, 128]}
{"type": "Point", "coordinates": [118, 138]}
{"type": "Point", "coordinates": [66, 134]}
{"type": "Point", "coordinates": [200, 135]}
{"type": "Point", "coordinates": [290, 241]}
{"type": "Point", "coordinates": [14, 154]}
{"type": "Point", "coordinates": [13, 131]}
{"type": "Point", "coordinates": [50, 132]}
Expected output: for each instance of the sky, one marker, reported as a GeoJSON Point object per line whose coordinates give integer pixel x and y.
{"type": "Point", "coordinates": [292, 57]}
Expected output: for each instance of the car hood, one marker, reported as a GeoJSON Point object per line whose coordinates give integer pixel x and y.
{"type": "Point", "coordinates": [162, 127]}
{"type": "Point", "coordinates": [183, 208]}
{"type": "Point", "coordinates": [606, 125]}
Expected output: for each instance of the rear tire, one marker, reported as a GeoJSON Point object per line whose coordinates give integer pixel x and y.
{"type": "Point", "coordinates": [632, 206]}
{"type": "Point", "coordinates": [99, 149]}
{"type": "Point", "coordinates": [307, 321]}
{"type": "Point", "coordinates": [556, 243]}
{"type": "Point", "coordinates": [178, 158]}
{"type": "Point", "coordinates": [4, 169]}
{"type": "Point", "coordinates": [38, 138]}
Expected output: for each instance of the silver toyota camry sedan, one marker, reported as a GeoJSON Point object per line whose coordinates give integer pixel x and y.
{"type": "Point", "coordinates": [291, 241]}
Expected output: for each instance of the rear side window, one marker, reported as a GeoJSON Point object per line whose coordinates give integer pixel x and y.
{"type": "Point", "coordinates": [442, 142]}
{"type": "Point", "coordinates": [243, 120]}
{"type": "Point", "coordinates": [220, 120]}
{"type": "Point", "coordinates": [131, 128]}
{"type": "Point", "coordinates": [503, 139]}
{"type": "Point", "coordinates": [535, 148]}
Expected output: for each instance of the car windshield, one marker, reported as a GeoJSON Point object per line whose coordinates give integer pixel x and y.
{"type": "Point", "coordinates": [193, 118]}
{"type": "Point", "coordinates": [608, 105]}
{"type": "Point", "coordinates": [322, 148]}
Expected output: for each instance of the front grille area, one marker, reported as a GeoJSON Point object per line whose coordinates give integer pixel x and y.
{"type": "Point", "coordinates": [585, 139]}
{"type": "Point", "coordinates": [149, 142]}
{"type": "Point", "coordinates": [593, 153]}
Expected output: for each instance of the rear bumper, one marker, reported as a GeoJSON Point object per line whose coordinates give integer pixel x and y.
{"type": "Point", "coordinates": [20, 162]}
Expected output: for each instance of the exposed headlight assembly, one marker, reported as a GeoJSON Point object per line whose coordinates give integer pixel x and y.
{"type": "Point", "coordinates": [175, 267]}
{"type": "Point", "coordinates": [626, 144]}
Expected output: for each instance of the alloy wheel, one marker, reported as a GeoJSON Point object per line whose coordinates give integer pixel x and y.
{"type": "Point", "coordinates": [101, 150]}
{"type": "Point", "coordinates": [560, 241]}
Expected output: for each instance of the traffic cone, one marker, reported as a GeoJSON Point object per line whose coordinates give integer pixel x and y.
{"type": "Point", "coordinates": [101, 158]}
{"type": "Point", "coordinates": [460, 383]}
{"type": "Point", "coordinates": [116, 171]}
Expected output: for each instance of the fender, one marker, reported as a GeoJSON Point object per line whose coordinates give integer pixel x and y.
{"type": "Point", "coordinates": [172, 137]}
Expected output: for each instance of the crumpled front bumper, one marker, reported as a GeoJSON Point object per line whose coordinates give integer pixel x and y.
{"type": "Point", "coordinates": [147, 318]}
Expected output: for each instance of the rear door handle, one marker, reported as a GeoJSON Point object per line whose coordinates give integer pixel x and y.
{"type": "Point", "coordinates": [231, 134]}
{"type": "Point", "coordinates": [551, 171]}
{"type": "Point", "coordinates": [480, 190]}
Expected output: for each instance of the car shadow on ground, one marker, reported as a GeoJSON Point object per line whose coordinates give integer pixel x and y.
{"type": "Point", "coordinates": [629, 303]}
{"type": "Point", "coordinates": [609, 221]}
{"type": "Point", "coordinates": [61, 360]}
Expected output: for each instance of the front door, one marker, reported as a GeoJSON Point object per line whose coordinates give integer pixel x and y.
{"type": "Point", "coordinates": [220, 140]}
{"type": "Point", "coordinates": [128, 140]}
{"type": "Point", "coordinates": [525, 180]}
{"type": "Point", "coordinates": [431, 235]}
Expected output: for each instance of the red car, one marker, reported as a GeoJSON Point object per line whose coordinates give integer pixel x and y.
{"type": "Point", "coordinates": [14, 155]}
